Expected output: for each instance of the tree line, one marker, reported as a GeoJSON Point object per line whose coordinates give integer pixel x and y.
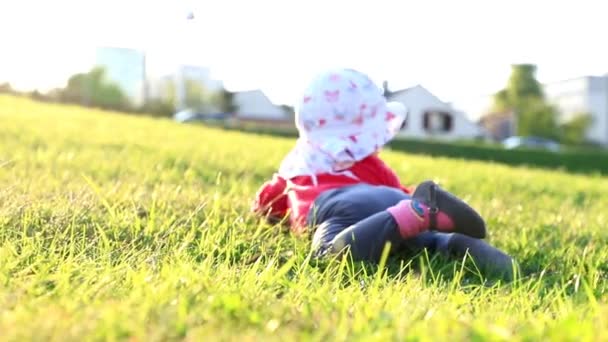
{"type": "Point", "coordinates": [534, 115]}
{"type": "Point", "coordinates": [94, 89]}
{"type": "Point", "coordinates": [523, 95]}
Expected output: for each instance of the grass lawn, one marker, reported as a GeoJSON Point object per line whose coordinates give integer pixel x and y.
{"type": "Point", "coordinates": [115, 227]}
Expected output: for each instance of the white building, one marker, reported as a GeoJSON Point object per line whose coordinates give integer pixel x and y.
{"type": "Point", "coordinates": [587, 94]}
{"type": "Point", "coordinates": [429, 117]}
{"type": "Point", "coordinates": [254, 104]}
{"type": "Point", "coordinates": [126, 68]}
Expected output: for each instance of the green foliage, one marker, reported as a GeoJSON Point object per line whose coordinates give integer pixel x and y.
{"type": "Point", "coordinates": [522, 84]}
{"type": "Point", "coordinates": [501, 101]}
{"type": "Point", "coordinates": [573, 131]}
{"type": "Point", "coordinates": [522, 87]}
{"type": "Point", "coordinates": [93, 89]}
{"type": "Point", "coordinates": [6, 88]}
{"type": "Point", "coordinates": [524, 95]}
{"type": "Point", "coordinates": [55, 95]}
{"type": "Point", "coordinates": [169, 92]}
{"type": "Point", "coordinates": [36, 95]}
{"type": "Point", "coordinates": [158, 107]}
{"type": "Point", "coordinates": [115, 227]}
{"type": "Point", "coordinates": [203, 100]}
{"type": "Point", "coordinates": [575, 160]}
{"type": "Point", "coordinates": [537, 118]}
{"type": "Point", "coordinates": [196, 96]}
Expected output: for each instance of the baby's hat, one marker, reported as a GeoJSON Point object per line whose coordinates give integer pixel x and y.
{"type": "Point", "coordinates": [342, 118]}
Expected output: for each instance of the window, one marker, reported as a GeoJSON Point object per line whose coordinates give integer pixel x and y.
{"type": "Point", "coordinates": [404, 124]}
{"type": "Point", "coordinates": [437, 122]}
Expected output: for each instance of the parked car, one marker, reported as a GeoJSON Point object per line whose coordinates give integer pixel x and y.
{"type": "Point", "coordinates": [189, 115]}
{"type": "Point", "coordinates": [531, 142]}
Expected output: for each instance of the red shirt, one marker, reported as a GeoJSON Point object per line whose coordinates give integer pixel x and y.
{"type": "Point", "coordinates": [278, 197]}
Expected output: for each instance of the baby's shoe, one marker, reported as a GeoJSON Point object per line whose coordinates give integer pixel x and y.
{"type": "Point", "coordinates": [445, 212]}
{"type": "Point", "coordinates": [491, 261]}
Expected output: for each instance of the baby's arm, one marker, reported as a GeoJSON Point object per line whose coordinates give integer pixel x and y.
{"type": "Point", "coordinates": [271, 199]}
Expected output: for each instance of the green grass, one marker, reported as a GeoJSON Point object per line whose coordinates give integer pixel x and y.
{"type": "Point", "coordinates": [115, 227]}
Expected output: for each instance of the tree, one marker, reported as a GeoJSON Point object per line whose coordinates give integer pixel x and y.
{"type": "Point", "coordinates": [521, 87]}
{"type": "Point", "coordinates": [525, 97]}
{"type": "Point", "coordinates": [501, 101]}
{"type": "Point", "coordinates": [55, 95]}
{"type": "Point", "coordinates": [158, 107]}
{"type": "Point", "coordinates": [36, 95]}
{"type": "Point", "coordinates": [573, 131]}
{"type": "Point", "coordinates": [169, 93]}
{"type": "Point", "coordinates": [195, 94]}
{"type": "Point", "coordinates": [6, 88]}
{"type": "Point", "coordinates": [93, 89]}
{"type": "Point", "coordinates": [523, 84]}
{"type": "Point", "coordinates": [537, 118]}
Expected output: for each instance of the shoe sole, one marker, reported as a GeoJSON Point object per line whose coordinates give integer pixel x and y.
{"type": "Point", "coordinates": [466, 220]}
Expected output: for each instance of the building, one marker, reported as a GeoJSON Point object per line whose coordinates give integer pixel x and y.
{"type": "Point", "coordinates": [126, 68]}
{"type": "Point", "coordinates": [499, 125]}
{"type": "Point", "coordinates": [588, 94]}
{"type": "Point", "coordinates": [429, 117]}
{"type": "Point", "coordinates": [254, 104]}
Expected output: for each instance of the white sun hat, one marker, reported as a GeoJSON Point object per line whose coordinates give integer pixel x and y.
{"type": "Point", "coordinates": [342, 118]}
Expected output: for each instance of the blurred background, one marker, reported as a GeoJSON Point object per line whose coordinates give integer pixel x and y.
{"type": "Point", "coordinates": [500, 74]}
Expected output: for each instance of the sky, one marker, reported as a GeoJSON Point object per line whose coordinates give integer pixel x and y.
{"type": "Point", "coordinates": [459, 50]}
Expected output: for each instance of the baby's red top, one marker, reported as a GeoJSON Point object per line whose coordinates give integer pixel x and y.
{"type": "Point", "coordinates": [277, 200]}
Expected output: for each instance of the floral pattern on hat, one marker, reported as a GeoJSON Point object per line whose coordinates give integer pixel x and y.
{"type": "Point", "coordinates": [342, 118]}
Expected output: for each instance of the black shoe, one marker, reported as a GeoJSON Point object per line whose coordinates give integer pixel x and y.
{"type": "Point", "coordinates": [466, 220]}
{"type": "Point", "coordinates": [492, 262]}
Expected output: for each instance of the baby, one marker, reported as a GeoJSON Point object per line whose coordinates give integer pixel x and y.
{"type": "Point", "coordinates": [334, 182]}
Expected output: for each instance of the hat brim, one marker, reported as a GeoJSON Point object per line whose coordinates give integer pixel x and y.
{"type": "Point", "coordinates": [398, 109]}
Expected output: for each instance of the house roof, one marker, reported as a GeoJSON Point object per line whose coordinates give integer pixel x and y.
{"type": "Point", "coordinates": [389, 93]}
{"type": "Point", "coordinates": [416, 87]}
{"type": "Point", "coordinates": [256, 92]}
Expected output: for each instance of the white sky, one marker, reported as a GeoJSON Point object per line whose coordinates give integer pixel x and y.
{"type": "Point", "coordinates": [457, 49]}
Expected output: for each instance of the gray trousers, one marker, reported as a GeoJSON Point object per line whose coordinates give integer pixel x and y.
{"type": "Point", "coordinates": [355, 217]}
